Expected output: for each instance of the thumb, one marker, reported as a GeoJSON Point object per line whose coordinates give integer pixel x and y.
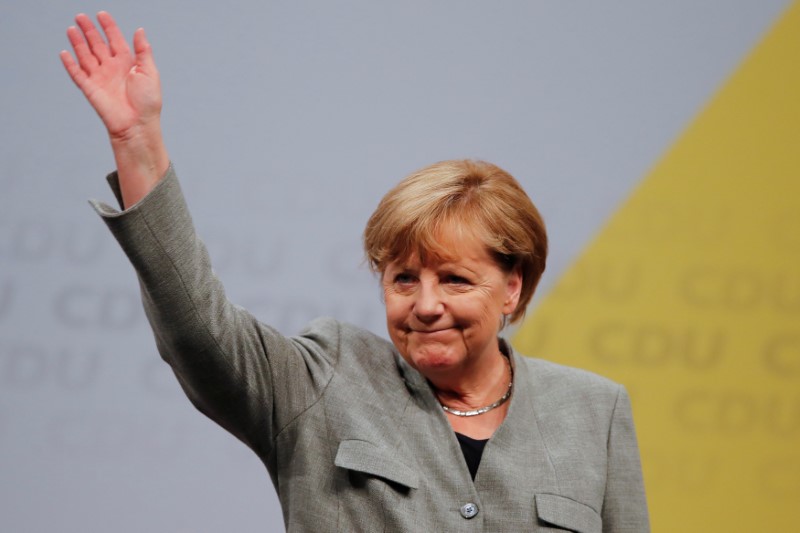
{"type": "Point", "coordinates": [144, 52]}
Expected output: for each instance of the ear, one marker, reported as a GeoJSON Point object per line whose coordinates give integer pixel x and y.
{"type": "Point", "coordinates": [513, 290]}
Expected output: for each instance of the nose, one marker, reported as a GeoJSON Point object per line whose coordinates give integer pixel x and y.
{"type": "Point", "coordinates": [428, 305]}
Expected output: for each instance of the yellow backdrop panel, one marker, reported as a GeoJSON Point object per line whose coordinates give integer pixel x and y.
{"type": "Point", "coordinates": [690, 296]}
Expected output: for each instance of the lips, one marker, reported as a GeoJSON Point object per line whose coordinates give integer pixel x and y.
{"type": "Point", "coordinates": [431, 332]}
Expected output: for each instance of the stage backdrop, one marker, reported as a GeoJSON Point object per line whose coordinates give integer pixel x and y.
{"type": "Point", "coordinates": [658, 140]}
{"type": "Point", "coordinates": [690, 295]}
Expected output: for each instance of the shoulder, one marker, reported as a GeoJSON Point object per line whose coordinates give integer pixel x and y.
{"type": "Point", "coordinates": [553, 376]}
{"type": "Point", "coordinates": [560, 388]}
{"type": "Point", "coordinates": [350, 343]}
{"type": "Point", "coordinates": [329, 330]}
{"type": "Point", "coordinates": [364, 362]}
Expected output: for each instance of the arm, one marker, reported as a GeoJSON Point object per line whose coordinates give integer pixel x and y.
{"type": "Point", "coordinates": [625, 505]}
{"type": "Point", "coordinates": [242, 374]}
{"type": "Point", "coordinates": [125, 91]}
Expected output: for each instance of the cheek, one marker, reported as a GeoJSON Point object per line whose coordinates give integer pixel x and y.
{"type": "Point", "coordinates": [394, 310]}
{"type": "Point", "coordinates": [487, 305]}
{"type": "Point", "coordinates": [481, 315]}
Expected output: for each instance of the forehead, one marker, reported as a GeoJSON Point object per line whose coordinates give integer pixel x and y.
{"type": "Point", "coordinates": [450, 244]}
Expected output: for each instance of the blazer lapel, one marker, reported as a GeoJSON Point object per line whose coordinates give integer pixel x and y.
{"type": "Point", "coordinates": [516, 457]}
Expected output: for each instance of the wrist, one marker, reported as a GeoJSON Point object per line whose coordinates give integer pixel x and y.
{"type": "Point", "coordinates": [140, 136]}
{"type": "Point", "coordinates": [141, 160]}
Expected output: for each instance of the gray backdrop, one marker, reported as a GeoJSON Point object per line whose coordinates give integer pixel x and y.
{"type": "Point", "coordinates": [294, 117]}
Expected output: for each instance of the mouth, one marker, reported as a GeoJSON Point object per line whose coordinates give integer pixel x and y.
{"type": "Point", "coordinates": [430, 331]}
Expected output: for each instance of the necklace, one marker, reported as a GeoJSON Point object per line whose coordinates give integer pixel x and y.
{"type": "Point", "coordinates": [485, 409]}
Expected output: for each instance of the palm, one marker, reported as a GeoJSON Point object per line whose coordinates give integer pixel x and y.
{"type": "Point", "coordinates": [122, 87]}
{"type": "Point", "coordinates": [118, 93]}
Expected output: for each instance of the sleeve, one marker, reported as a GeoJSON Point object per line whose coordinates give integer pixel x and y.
{"type": "Point", "coordinates": [625, 505]}
{"type": "Point", "coordinates": [242, 374]}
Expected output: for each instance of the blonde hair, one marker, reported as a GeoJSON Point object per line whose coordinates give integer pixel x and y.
{"type": "Point", "coordinates": [472, 197]}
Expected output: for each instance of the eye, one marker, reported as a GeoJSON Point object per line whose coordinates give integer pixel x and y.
{"type": "Point", "coordinates": [404, 278]}
{"type": "Point", "coordinates": [453, 279]}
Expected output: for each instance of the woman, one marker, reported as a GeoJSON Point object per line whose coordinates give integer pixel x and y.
{"type": "Point", "coordinates": [443, 429]}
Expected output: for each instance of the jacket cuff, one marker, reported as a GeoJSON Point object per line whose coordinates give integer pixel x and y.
{"type": "Point", "coordinates": [158, 224]}
{"type": "Point", "coordinates": [165, 186]}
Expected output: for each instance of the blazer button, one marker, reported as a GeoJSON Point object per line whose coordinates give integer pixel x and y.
{"type": "Point", "coordinates": [469, 510]}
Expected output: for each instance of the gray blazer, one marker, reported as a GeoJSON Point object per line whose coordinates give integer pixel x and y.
{"type": "Point", "coordinates": [353, 437]}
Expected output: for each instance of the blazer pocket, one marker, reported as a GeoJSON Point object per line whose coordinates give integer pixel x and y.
{"type": "Point", "coordinates": [367, 458]}
{"type": "Point", "coordinates": [568, 514]}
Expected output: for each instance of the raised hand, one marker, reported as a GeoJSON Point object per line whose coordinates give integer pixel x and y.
{"type": "Point", "coordinates": [125, 90]}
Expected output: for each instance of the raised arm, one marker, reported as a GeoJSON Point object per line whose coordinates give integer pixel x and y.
{"type": "Point", "coordinates": [125, 91]}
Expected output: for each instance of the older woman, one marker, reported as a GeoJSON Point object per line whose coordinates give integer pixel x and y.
{"type": "Point", "coordinates": [443, 429]}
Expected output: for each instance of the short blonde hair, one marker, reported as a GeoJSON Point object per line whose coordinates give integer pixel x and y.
{"type": "Point", "coordinates": [475, 196]}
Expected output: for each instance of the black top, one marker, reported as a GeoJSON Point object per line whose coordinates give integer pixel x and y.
{"type": "Point", "coordinates": [472, 450]}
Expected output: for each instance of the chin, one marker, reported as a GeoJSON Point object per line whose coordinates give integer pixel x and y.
{"type": "Point", "coordinates": [434, 361]}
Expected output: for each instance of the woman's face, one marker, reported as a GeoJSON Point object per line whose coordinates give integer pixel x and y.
{"type": "Point", "coordinates": [445, 314]}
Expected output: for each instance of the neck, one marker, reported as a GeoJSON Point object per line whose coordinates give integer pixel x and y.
{"type": "Point", "coordinates": [477, 388]}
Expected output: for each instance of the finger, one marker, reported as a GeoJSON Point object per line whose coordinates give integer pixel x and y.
{"type": "Point", "coordinates": [75, 72]}
{"type": "Point", "coordinates": [96, 42]}
{"type": "Point", "coordinates": [144, 52]}
{"type": "Point", "coordinates": [88, 62]}
{"type": "Point", "coordinates": [116, 40]}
